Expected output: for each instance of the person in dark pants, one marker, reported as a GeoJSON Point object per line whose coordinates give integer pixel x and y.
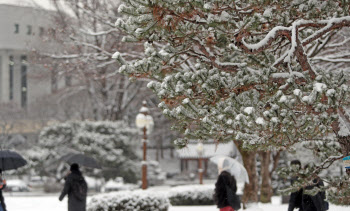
{"type": "Point", "coordinates": [316, 202]}
{"type": "Point", "coordinates": [225, 193]}
{"type": "Point", "coordinates": [295, 200]}
{"type": "Point", "coordinates": [76, 189]}
{"type": "Point", "coordinates": [2, 186]}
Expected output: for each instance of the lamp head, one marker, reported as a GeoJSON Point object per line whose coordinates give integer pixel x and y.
{"type": "Point", "coordinates": [200, 149]}
{"type": "Point", "coordinates": [143, 119]}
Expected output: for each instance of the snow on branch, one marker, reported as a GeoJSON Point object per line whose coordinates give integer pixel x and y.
{"type": "Point", "coordinates": [333, 58]}
{"type": "Point", "coordinates": [291, 34]}
{"type": "Point", "coordinates": [339, 44]}
{"type": "Point", "coordinates": [264, 43]}
{"type": "Point", "coordinates": [326, 163]}
{"type": "Point", "coordinates": [92, 46]}
{"type": "Point", "coordinates": [71, 56]}
{"type": "Point", "coordinates": [288, 75]}
{"type": "Point", "coordinates": [210, 57]}
{"type": "Point", "coordinates": [98, 33]}
{"type": "Point", "coordinates": [326, 59]}
{"type": "Point", "coordinates": [327, 25]}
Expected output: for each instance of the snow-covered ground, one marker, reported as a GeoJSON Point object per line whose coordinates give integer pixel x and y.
{"type": "Point", "coordinates": [274, 206]}
{"type": "Point", "coordinates": [44, 203]}
{"type": "Point", "coordinates": [38, 203]}
{"type": "Point", "coordinates": [268, 207]}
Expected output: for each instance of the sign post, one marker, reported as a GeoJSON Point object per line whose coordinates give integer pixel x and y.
{"type": "Point", "coordinates": [346, 162]}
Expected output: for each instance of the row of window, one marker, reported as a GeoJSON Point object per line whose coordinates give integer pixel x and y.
{"type": "Point", "coordinates": [29, 30]}
{"type": "Point", "coordinates": [24, 85]}
{"type": "Point", "coordinates": [23, 77]}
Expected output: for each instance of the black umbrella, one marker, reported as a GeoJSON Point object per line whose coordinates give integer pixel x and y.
{"type": "Point", "coordinates": [11, 160]}
{"type": "Point", "coordinates": [82, 160]}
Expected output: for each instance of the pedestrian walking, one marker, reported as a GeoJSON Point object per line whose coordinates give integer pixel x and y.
{"type": "Point", "coordinates": [2, 186]}
{"type": "Point", "coordinates": [225, 193]}
{"type": "Point", "coordinates": [76, 188]}
{"type": "Point", "coordinates": [295, 200]}
{"type": "Point", "coordinates": [316, 202]}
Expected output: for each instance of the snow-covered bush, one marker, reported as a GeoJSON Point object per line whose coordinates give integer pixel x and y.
{"type": "Point", "coordinates": [192, 195]}
{"type": "Point", "coordinates": [155, 174]}
{"type": "Point", "coordinates": [118, 185]}
{"type": "Point", "coordinates": [129, 201]}
{"type": "Point", "coordinates": [110, 143]}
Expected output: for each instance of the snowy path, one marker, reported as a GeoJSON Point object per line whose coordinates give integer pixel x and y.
{"type": "Point", "coordinates": [45, 203]}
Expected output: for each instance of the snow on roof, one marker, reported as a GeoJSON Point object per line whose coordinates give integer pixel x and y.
{"type": "Point", "coordinates": [39, 4]}
{"type": "Point", "coordinates": [43, 4]}
{"type": "Point", "coordinates": [210, 150]}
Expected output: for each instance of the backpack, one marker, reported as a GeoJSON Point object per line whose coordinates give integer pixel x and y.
{"type": "Point", "coordinates": [79, 189]}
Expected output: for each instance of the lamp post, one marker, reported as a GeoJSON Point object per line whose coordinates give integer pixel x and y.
{"type": "Point", "coordinates": [145, 122]}
{"type": "Point", "coordinates": [200, 151]}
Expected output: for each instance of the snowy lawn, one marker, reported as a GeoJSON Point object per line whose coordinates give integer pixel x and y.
{"type": "Point", "coordinates": [38, 203]}
{"type": "Point", "coordinates": [267, 207]}
{"type": "Point", "coordinates": [274, 206]}
{"type": "Point", "coordinates": [44, 203]}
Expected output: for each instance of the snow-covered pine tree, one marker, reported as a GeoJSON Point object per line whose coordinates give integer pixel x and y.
{"type": "Point", "coordinates": [111, 143]}
{"type": "Point", "coordinates": [240, 70]}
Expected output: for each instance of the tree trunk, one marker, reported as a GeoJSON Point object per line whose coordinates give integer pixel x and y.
{"type": "Point", "coordinates": [250, 194]}
{"type": "Point", "coordinates": [344, 141]}
{"type": "Point", "coordinates": [266, 188]}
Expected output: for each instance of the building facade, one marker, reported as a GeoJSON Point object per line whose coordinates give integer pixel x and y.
{"type": "Point", "coordinates": [22, 30]}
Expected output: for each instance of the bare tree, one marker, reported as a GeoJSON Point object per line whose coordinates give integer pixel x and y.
{"type": "Point", "coordinates": [83, 40]}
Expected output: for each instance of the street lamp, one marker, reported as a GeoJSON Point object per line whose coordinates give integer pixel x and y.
{"type": "Point", "coordinates": [145, 122]}
{"type": "Point", "coordinates": [200, 152]}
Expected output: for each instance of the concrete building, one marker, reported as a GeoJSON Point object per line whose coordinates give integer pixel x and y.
{"type": "Point", "coordinates": [22, 29]}
{"type": "Point", "coordinates": [25, 86]}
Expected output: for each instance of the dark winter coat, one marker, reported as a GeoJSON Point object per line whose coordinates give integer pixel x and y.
{"type": "Point", "coordinates": [233, 199]}
{"type": "Point", "coordinates": [317, 202]}
{"type": "Point", "coordinates": [295, 200]}
{"type": "Point", "coordinates": [76, 197]}
{"type": "Point", "coordinates": [225, 192]}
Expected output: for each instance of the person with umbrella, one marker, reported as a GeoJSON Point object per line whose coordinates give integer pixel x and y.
{"type": "Point", "coordinates": [225, 193]}
{"type": "Point", "coordinates": [230, 170]}
{"type": "Point", "coordinates": [76, 188]}
{"type": "Point", "coordinates": [232, 166]}
{"type": "Point", "coordinates": [2, 186]}
{"type": "Point", "coordinates": [9, 160]}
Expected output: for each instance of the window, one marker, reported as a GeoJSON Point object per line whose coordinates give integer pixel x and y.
{"type": "Point", "coordinates": [29, 30]}
{"type": "Point", "coordinates": [24, 81]}
{"type": "Point", "coordinates": [11, 67]}
{"type": "Point", "coordinates": [52, 32]}
{"type": "Point", "coordinates": [41, 31]}
{"type": "Point", "coordinates": [16, 28]}
{"type": "Point", "coordinates": [68, 80]}
{"type": "Point", "coordinates": [54, 84]}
